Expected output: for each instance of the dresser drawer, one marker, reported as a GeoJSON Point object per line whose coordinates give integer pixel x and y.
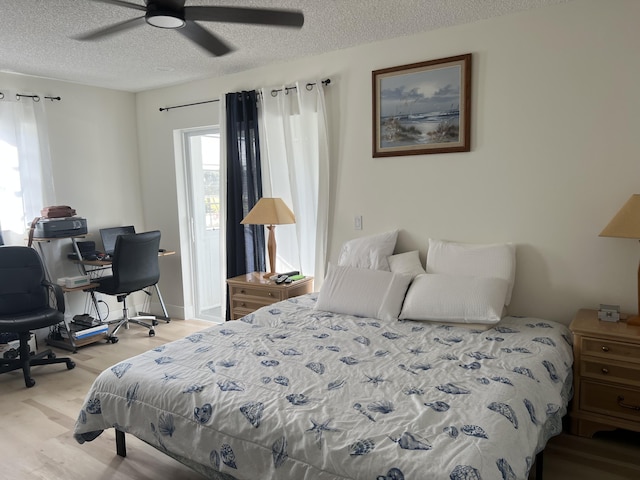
{"type": "Point", "coordinates": [610, 370]}
{"type": "Point", "coordinates": [610, 400]}
{"type": "Point", "coordinates": [611, 349]}
{"type": "Point", "coordinates": [269, 295]}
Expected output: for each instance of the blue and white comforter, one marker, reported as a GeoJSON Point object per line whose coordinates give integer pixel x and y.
{"type": "Point", "coordinates": [291, 392]}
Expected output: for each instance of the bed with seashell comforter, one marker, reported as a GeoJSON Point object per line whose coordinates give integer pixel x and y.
{"type": "Point", "coordinates": [292, 392]}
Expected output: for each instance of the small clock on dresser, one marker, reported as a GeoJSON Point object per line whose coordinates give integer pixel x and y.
{"type": "Point", "coordinates": [606, 375]}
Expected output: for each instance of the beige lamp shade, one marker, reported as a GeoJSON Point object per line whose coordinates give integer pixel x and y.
{"type": "Point", "coordinates": [269, 211]}
{"type": "Point", "coordinates": [626, 223]}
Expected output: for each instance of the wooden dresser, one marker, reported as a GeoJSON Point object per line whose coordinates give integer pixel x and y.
{"type": "Point", "coordinates": [249, 292]}
{"type": "Point", "coordinates": [606, 375]}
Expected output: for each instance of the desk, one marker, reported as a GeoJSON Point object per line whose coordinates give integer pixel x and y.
{"type": "Point", "coordinates": [76, 249]}
{"type": "Point", "coordinates": [100, 264]}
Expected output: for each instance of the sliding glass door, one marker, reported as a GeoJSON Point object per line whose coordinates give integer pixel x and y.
{"type": "Point", "coordinates": [202, 175]}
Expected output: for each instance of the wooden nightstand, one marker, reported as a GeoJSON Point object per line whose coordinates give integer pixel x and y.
{"type": "Point", "coordinates": [606, 375]}
{"type": "Point", "coordinates": [249, 292]}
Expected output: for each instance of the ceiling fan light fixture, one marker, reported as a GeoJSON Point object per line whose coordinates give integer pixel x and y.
{"type": "Point", "coordinates": [164, 19]}
{"type": "Point", "coordinates": [184, 19]}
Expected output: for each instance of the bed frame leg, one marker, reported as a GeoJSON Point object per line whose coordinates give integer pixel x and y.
{"type": "Point", "coordinates": [539, 464]}
{"type": "Point", "coordinates": [121, 447]}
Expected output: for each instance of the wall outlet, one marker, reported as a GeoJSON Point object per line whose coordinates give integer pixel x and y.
{"type": "Point", "coordinates": [357, 222]}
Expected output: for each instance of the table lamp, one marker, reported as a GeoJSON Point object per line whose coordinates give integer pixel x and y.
{"type": "Point", "coordinates": [270, 212]}
{"type": "Point", "coordinates": [626, 224]}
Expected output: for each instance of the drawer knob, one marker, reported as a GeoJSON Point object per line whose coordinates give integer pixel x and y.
{"type": "Point", "coordinates": [605, 348]}
{"type": "Point", "coordinates": [243, 304]}
{"type": "Point", "coordinates": [242, 291]}
{"type": "Point", "coordinates": [270, 294]}
{"type": "Point", "coordinates": [627, 405]}
{"type": "Point", "coordinates": [605, 370]}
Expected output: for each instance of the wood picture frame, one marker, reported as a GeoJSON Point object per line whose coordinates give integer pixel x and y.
{"type": "Point", "coordinates": [422, 108]}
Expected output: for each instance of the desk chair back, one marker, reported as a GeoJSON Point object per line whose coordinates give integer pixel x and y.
{"type": "Point", "coordinates": [22, 287]}
{"type": "Point", "coordinates": [135, 262]}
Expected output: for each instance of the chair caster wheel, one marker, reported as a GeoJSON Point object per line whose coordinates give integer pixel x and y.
{"type": "Point", "coordinates": [152, 333]}
{"type": "Point", "coordinates": [71, 365]}
{"type": "Point", "coordinates": [51, 356]}
{"type": "Point", "coordinates": [29, 382]}
{"type": "Point", "coordinates": [112, 339]}
{"type": "Point", "coordinates": [154, 323]}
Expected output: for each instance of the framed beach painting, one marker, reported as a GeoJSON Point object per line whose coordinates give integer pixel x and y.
{"type": "Point", "coordinates": [422, 108]}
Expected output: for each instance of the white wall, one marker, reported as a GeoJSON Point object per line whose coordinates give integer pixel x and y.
{"type": "Point", "coordinates": [554, 149]}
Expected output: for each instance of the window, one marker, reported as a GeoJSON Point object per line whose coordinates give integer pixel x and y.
{"type": "Point", "coordinates": [26, 181]}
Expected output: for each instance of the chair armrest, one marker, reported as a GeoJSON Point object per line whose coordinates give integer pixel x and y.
{"type": "Point", "coordinates": [58, 293]}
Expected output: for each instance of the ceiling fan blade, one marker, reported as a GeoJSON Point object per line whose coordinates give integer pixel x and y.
{"type": "Point", "coordinates": [258, 16]}
{"type": "Point", "coordinates": [111, 29]}
{"type": "Point", "coordinates": [167, 4]}
{"type": "Point", "coordinates": [122, 3]}
{"type": "Point", "coordinates": [204, 39]}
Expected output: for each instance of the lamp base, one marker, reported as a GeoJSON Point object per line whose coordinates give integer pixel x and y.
{"type": "Point", "coordinates": [633, 320]}
{"type": "Point", "coordinates": [271, 249]}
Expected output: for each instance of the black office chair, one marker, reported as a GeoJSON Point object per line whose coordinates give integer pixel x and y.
{"type": "Point", "coordinates": [135, 267]}
{"type": "Point", "coordinates": [24, 306]}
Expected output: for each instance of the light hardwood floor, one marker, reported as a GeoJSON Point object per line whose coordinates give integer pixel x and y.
{"type": "Point", "coordinates": [36, 427]}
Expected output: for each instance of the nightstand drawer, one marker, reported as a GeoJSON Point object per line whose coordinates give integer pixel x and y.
{"type": "Point", "coordinates": [609, 400]}
{"type": "Point", "coordinates": [611, 371]}
{"type": "Point", "coordinates": [237, 313]}
{"type": "Point", "coordinates": [249, 303]}
{"type": "Point", "coordinates": [610, 349]}
{"type": "Point", "coordinates": [270, 295]}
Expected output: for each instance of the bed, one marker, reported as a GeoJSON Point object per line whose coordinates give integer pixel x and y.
{"type": "Point", "coordinates": [293, 392]}
{"type": "Point", "coordinates": [395, 370]}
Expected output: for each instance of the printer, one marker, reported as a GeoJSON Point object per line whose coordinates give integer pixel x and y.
{"type": "Point", "coordinates": [60, 227]}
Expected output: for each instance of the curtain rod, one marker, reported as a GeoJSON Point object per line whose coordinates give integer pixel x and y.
{"type": "Point", "coordinates": [309, 86]}
{"type": "Point", "coordinates": [166, 109]}
{"type": "Point", "coordinates": [274, 93]}
{"type": "Point", "coordinates": [35, 98]}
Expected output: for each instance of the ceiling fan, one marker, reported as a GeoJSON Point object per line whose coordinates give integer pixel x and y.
{"type": "Point", "coordinates": [173, 14]}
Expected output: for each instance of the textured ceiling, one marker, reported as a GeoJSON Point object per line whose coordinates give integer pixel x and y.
{"type": "Point", "coordinates": [36, 37]}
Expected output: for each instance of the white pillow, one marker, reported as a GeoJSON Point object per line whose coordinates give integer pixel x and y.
{"type": "Point", "coordinates": [496, 260]}
{"type": "Point", "coordinates": [369, 252]}
{"type": "Point", "coordinates": [406, 263]}
{"type": "Point", "coordinates": [458, 299]}
{"type": "Point", "coordinates": [364, 292]}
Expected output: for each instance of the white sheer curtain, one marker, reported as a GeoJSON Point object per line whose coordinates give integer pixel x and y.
{"type": "Point", "coordinates": [295, 167]}
{"type": "Point", "coordinates": [26, 178]}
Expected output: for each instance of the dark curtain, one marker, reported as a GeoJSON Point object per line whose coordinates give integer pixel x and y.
{"type": "Point", "coordinates": [245, 243]}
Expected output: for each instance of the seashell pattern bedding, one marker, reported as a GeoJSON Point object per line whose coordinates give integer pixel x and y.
{"type": "Point", "coordinates": [291, 392]}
